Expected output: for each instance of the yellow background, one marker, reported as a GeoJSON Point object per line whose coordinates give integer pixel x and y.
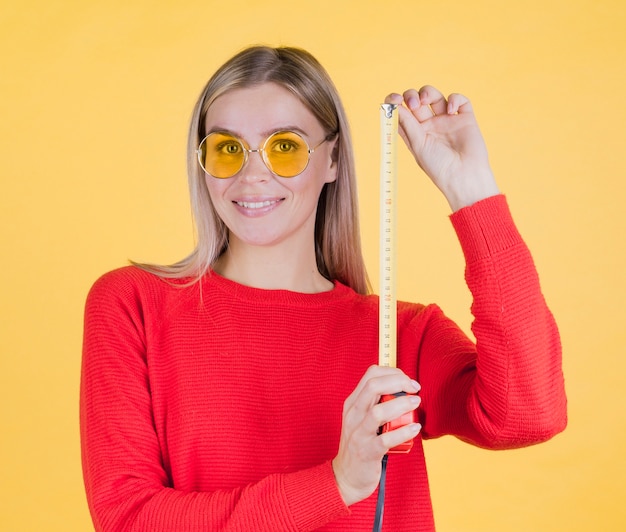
{"type": "Point", "coordinates": [94, 103]}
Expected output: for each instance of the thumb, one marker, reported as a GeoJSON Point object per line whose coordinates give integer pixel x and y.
{"type": "Point", "coordinates": [410, 129]}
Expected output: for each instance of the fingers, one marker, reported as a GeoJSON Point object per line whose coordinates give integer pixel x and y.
{"type": "Point", "coordinates": [393, 412]}
{"type": "Point", "coordinates": [429, 102]}
{"type": "Point", "coordinates": [363, 408]}
{"type": "Point", "coordinates": [434, 99]}
{"type": "Point", "coordinates": [457, 103]}
{"type": "Point", "coordinates": [362, 446]}
{"type": "Point", "coordinates": [394, 98]}
{"type": "Point", "coordinates": [391, 439]}
{"type": "Point", "coordinates": [379, 380]}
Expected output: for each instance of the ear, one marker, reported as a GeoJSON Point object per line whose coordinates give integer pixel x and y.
{"type": "Point", "coordinates": [334, 158]}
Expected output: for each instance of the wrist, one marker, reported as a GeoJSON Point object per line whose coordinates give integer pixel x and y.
{"type": "Point", "coordinates": [472, 190]}
{"type": "Point", "coordinates": [349, 498]}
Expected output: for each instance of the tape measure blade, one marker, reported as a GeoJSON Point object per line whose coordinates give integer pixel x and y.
{"type": "Point", "coordinates": [387, 251]}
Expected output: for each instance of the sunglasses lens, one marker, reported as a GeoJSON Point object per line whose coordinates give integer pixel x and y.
{"type": "Point", "coordinates": [221, 155]}
{"type": "Point", "coordinates": [286, 153]}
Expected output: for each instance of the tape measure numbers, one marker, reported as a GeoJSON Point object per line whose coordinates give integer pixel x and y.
{"type": "Point", "coordinates": [387, 307]}
{"type": "Point", "coordinates": [387, 348]}
{"type": "Point", "coordinates": [388, 323]}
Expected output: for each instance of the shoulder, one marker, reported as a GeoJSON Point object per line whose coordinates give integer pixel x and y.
{"type": "Point", "coordinates": [124, 281]}
{"type": "Point", "coordinates": [133, 287]}
{"type": "Point", "coordinates": [136, 288]}
{"type": "Point", "coordinates": [414, 313]}
{"type": "Point", "coordinates": [133, 295]}
{"type": "Point", "coordinates": [423, 321]}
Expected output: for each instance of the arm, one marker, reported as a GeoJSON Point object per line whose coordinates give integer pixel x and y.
{"type": "Point", "coordinates": [497, 399]}
{"type": "Point", "coordinates": [508, 389]}
{"type": "Point", "coordinates": [128, 485]}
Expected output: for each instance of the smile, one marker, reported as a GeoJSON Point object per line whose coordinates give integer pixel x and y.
{"type": "Point", "coordinates": [255, 204]}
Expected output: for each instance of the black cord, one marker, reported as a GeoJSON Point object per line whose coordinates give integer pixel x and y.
{"type": "Point", "coordinates": [380, 502]}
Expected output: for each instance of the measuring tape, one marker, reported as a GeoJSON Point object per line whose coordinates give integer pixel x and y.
{"type": "Point", "coordinates": [387, 347]}
{"type": "Point", "coordinates": [387, 307]}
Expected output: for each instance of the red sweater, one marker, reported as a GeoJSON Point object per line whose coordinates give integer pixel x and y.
{"type": "Point", "coordinates": [218, 406]}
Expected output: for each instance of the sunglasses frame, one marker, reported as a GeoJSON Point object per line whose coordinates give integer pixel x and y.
{"type": "Point", "coordinates": [261, 151]}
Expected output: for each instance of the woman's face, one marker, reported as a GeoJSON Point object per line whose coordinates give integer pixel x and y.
{"type": "Point", "coordinates": [258, 207]}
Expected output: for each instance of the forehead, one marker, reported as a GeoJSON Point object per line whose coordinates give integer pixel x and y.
{"type": "Point", "coordinates": [261, 109]}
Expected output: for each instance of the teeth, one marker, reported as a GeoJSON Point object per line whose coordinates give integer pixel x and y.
{"type": "Point", "coordinates": [255, 204]}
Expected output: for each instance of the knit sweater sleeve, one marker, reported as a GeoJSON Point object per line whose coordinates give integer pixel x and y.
{"type": "Point", "coordinates": [127, 485]}
{"type": "Point", "coordinates": [505, 390]}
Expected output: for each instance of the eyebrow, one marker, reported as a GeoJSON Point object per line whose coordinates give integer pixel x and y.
{"type": "Point", "coordinates": [264, 134]}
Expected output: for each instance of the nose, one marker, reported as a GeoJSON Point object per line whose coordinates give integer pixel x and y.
{"type": "Point", "coordinates": [255, 169]}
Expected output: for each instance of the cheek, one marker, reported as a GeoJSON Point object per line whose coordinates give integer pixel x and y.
{"type": "Point", "coordinates": [323, 168]}
{"type": "Point", "coordinates": [318, 175]}
{"type": "Point", "coordinates": [216, 188]}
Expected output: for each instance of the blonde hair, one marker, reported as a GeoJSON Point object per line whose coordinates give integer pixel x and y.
{"type": "Point", "coordinates": [337, 235]}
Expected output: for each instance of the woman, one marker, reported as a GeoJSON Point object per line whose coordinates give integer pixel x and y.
{"type": "Point", "coordinates": [238, 389]}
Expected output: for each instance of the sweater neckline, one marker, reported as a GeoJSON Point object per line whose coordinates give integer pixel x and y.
{"type": "Point", "coordinates": [263, 296]}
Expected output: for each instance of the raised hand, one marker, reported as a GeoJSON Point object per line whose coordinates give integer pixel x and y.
{"type": "Point", "coordinates": [443, 136]}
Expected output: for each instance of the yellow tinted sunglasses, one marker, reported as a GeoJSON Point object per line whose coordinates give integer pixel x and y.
{"type": "Point", "coordinates": [285, 153]}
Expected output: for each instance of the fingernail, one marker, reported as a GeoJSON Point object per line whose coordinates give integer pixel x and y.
{"type": "Point", "coordinates": [416, 427]}
{"type": "Point", "coordinates": [416, 385]}
{"type": "Point", "coordinates": [413, 103]}
{"type": "Point", "coordinates": [415, 399]}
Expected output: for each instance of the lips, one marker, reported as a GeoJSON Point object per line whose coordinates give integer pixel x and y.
{"type": "Point", "coordinates": [255, 207]}
{"type": "Point", "coordinates": [256, 204]}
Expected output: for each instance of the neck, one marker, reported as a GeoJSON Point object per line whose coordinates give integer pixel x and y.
{"type": "Point", "coordinates": [272, 268]}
